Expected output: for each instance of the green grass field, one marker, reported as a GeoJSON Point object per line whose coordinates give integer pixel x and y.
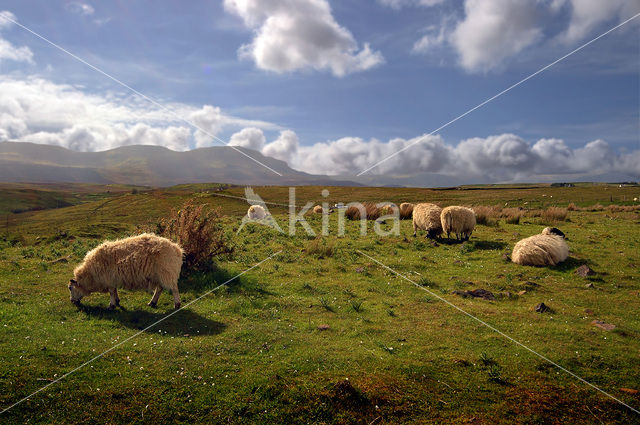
{"type": "Point", "coordinates": [320, 333]}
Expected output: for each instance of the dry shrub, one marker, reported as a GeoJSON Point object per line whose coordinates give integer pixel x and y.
{"type": "Point", "coordinates": [406, 211]}
{"type": "Point", "coordinates": [372, 212]}
{"type": "Point", "coordinates": [198, 232]}
{"type": "Point", "coordinates": [596, 207]}
{"type": "Point", "coordinates": [554, 214]}
{"type": "Point", "coordinates": [572, 207]}
{"type": "Point", "coordinates": [487, 215]}
{"type": "Point", "coordinates": [512, 215]}
{"type": "Point", "coordinates": [623, 208]}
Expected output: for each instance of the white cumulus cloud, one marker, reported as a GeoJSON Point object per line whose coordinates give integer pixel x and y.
{"type": "Point", "coordinates": [40, 111]}
{"type": "Point", "coordinates": [503, 157]}
{"type": "Point", "coordinates": [291, 35]}
{"type": "Point", "coordinates": [491, 32]}
{"type": "Point", "coordinates": [7, 50]}
{"type": "Point", "coordinates": [587, 15]}
{"type": "Point", "coordinates": [250, 137]}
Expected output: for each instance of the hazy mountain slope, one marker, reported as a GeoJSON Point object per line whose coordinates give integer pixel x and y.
{"type": "Point", "coordinates": [145, 165]}
{"type": "Point", "coordinates": [159, 166]}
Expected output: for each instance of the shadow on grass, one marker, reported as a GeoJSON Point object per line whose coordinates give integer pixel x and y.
{"type": "Point", "coordinates": [488, 245]}
{"type": "Point", "coordinates": [571, 263]}
{"type": "Point", "coordinates": [184, 322]}
{"type": "Point", "coordinates": [474, 244]}
{"type": "Point", "coordinates": [200, 282]}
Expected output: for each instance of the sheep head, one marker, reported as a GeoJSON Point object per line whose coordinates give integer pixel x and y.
{"type": "Point", "coordinates": [553, 231]}
{"type": "Point", "coordinates": [76, 291]}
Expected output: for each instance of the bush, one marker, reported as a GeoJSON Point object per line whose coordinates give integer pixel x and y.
{"type": "Point", "coordinates": [554, 214]}
{"type": "Point", "coordinates": [487, 215]}
{"type": "Point", "coordinates": [371, 210]}
{"type": "Point", "coordinates": [198, 232]}
{"type": "Point", "coordinates": [513, 219]}
{"type": "Point", "coordinates": [406, 212]}
{"type": "Point", "coordinates": [512, 215]}
{"type": "Point", "coordinates": [623, 208]}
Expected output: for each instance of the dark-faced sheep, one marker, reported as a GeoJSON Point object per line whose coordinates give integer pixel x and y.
{"type": "Point", "coordinates": [145, 262]}
{"type": "Point", "coordinates": [458, 220]}
{"type": "Point", "coordinates": [546, 249]}
{"type": "Point", "coordinates": [426, 216]}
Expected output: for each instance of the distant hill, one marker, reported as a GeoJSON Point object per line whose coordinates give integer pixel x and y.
{"type": "Point", "coordinates": [147, 166]}
{"type": "Point", "coordinates": [157, 166]}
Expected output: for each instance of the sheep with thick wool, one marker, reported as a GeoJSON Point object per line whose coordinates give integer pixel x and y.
{"type": "Point", "coordinates": [458, 220]}
{"type": "Point", "coordinates": [318, 209]}
{"type": "Point", "coordinates": [545, 249]}
{"type": "Point", "coordinates": [144, 262]}
{"type": "Point", "coordinates": [406, 211]}
{"type": "Point", "coordinates": [426, 216]}
{"type": "Point", "coordinates": [256, 212]}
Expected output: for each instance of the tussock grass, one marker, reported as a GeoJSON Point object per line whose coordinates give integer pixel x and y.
{"type": "Point", "coordinates": [320, 248]}
{"type": "Point", "coordinates": [554, 215]}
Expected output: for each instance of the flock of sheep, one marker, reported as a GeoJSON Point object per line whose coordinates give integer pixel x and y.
{"type": "Point", "coordinates": [546, 249]}
{"type": "Point", "coordinates": [153, 263]}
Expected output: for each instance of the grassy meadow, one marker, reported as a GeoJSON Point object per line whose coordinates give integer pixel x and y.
{"type": "Point", "coordinates": [320, 333]}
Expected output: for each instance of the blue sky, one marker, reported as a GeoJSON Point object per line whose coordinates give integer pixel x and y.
{"type": "Point", "coordinates": [312, 72]}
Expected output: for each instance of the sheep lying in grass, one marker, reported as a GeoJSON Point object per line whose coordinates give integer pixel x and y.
{"type": "Point", "coordinates": [458, 220]}
{"type": "Point", "coordinates": [146, 262]}
{"type": "Point", "coordinates": [406, 211]}
{"type": "Point", "coordinates": [256, 212]}
{"type": "Point", "coordinates": [546, 249]}
{"type": "Point", "coordinates": [427, 217]}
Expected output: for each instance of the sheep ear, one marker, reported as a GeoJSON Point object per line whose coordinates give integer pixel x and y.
{"type": "Point", "coordinates": [72, 282]}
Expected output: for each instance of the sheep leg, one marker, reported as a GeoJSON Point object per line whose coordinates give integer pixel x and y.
{"type": "Point", "coordinates": [176, 298]}
{"type": "Point", "coordinates": [156, 294]}
{"type": "Point", "coordinates": [414, 230]}
{"type": "Point", "coordinates": [113, 300]}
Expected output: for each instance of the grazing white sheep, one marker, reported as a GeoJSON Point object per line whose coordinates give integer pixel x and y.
{"type": "Point", "coordinates": [406, 211]}
{"type": "Point", "coordinates": [546, 249]}
{"type": "Point", "coordinates": [426, 216]}
{"type": "Point", "coordinates": [256, 212]}
{"type": "Point", "coordinates": [458, 220]}
{"type": "Point", "coordinates": [146, 262]}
